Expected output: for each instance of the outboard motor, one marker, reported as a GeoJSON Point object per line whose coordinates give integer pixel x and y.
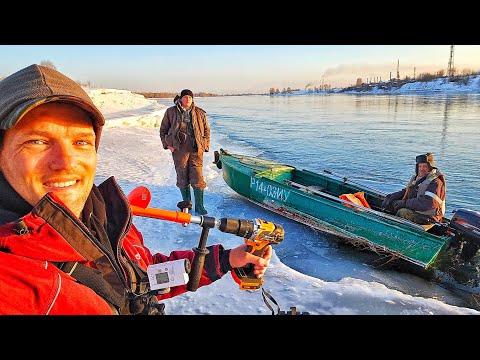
{"type": "Point", "coordinates": [466, 225]}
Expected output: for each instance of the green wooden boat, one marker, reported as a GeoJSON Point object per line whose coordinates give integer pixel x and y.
{"type": "Point", "coordinates": [314, 199]}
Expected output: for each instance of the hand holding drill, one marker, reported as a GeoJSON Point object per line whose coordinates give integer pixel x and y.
{"type": "Point", "coordinates": [259, 235]}
{"type": "Point", "coordinates": [239, 257]}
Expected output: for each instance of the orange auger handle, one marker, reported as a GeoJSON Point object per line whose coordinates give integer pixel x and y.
{"type": "Point", "coordinates": [176, 216]}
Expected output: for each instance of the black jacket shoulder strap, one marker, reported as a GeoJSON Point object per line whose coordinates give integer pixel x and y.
{"type": "Point", "coordinates": [93, 279]}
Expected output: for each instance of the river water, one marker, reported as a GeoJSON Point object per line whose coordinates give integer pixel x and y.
{"type": "Point", "coordinates": [371, 139]}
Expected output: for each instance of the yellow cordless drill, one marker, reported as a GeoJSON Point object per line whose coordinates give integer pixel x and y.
{"type": "Point", "coordinates": [257, 234]}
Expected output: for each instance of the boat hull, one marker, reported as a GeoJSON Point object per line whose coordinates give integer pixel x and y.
{"type": "Point", "coordinates": [274, 186]}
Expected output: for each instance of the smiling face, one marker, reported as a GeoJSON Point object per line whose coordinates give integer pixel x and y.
{"type": "Point", "coordinates": [51, 149]}
{"type": "Point", "coordinates": [423, 169]}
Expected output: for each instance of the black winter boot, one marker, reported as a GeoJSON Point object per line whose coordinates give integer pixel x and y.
{"type": "Point", "coordinates": [199, 209]}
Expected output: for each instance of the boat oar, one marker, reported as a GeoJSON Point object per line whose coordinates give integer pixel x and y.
{"type": "Point", "coordinates": [346, 179]}
{"type": "Point", "coordinates": [336, 199]}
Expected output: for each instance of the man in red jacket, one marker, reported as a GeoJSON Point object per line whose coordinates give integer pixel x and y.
{"type": "Point", "coordinates": [68, 246]}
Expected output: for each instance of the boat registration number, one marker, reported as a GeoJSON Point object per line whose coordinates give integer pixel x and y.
{"type": "Point", "coordinates": [269, 190]}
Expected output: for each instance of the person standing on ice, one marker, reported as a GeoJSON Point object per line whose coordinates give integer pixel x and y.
{"type": "Point", "coordinates": [186, 133]}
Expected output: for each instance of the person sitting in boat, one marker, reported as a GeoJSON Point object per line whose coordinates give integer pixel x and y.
{"type": "Point", "coordinates": [423, 200]}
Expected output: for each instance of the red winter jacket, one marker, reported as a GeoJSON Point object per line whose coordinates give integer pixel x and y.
{"type": "Point", "coordinates": [31, 284]}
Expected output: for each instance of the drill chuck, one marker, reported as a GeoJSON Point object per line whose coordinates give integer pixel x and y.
{"type": "Point", "coordinates": [240, 227]}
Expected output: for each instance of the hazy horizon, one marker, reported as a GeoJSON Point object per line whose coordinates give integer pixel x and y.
{"type": "Point", "coordinates": [235, 69]}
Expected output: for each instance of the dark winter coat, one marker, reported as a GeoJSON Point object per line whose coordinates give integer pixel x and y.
{"type": "Point", "coordinates": [170, 127]}
{"type": "Point", "coordinates": [425, 195]}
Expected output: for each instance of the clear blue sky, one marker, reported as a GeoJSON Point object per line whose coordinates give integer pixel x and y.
{"type": "Point", "coordinates": [225, 69]}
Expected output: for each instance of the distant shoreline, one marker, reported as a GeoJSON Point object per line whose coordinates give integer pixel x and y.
{"type": "Point", "coordinates": [469, 84]}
